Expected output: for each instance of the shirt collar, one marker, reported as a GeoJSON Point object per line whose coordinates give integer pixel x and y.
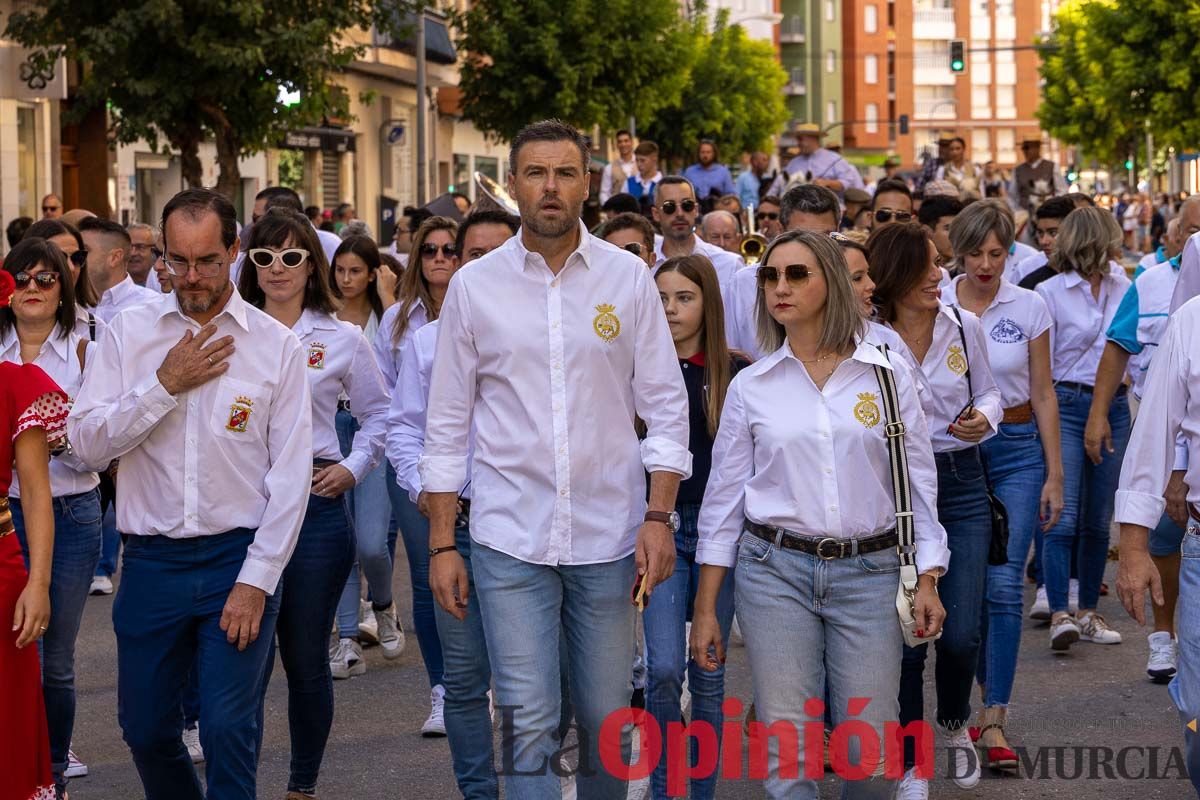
{"type": "Point", "coordinates": [235, 307]}
{"type": "Point", "coordinates": [944, 310]}
{"type": "Point", "coordinates": [1174, 262]}
{"type": "Point", "coordinates": [1005, 294]}
{"type": "Point", "coordinates": [113, 293]}
{"type": "Point", "coordinates": [10, 343]}
{"type": "Point", "coordinates": [583, 251]}
{"type": "Point", "coordinates": [864, 352]}
{"type": "Point", "coordinates": [311, 321]}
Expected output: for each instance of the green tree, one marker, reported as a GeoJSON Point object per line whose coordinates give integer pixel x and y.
{"type": "Point", "coordinates": [587, 62]}
{"type": "Point", "coordinates": [183, 69]}
{"type": "Point", "coordinates": [733, 94]}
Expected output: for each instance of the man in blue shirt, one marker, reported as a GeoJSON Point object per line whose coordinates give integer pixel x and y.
{"type": "Point", "coordinates": [709, 178]}
{"type": "Point", "coordinates": [817, 165]}
{"type": "Point", "coordinates": [753, 184]}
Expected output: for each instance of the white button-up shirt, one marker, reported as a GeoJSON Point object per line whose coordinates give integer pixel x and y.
{"type": "Point", "coordinates": [1015, 318]}
{"type": "Point", "coordinates": [823, 472]}
{"type": "Point", "coordinates": [58, 358]}
{"type": "Point", "coordinates": [340, 361]}
{"type": "Point", "coordinates": [741, 332]}
{"type": "Point", "coordinates": [944, 373]}
{"type": "Point", "coordinates": [85, 321]}
{"type": "Point", "coordinates": [551, 370]}
{"type": "Point", "coordinates": [235, 452]}
{"type": "Point", "coordinates": [1080, 321]}
{"type": "Point", "coordinates": [724, 262]}
{"type": "Point", "coordinates": [1170, 406]}
{"type": "Point", "coordinates": [388, 349]}
{"type": "Point", "coordinates": [122, 296]}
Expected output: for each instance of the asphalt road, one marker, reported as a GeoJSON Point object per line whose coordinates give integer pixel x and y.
{"type": "Point", "coordinates": [1093, 697]}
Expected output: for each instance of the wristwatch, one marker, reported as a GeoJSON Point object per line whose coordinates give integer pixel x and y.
{"type": "Point", "coordinates": [671, 519]}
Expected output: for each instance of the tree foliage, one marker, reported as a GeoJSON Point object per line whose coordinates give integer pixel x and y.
{"type": "Point", "coordinates": [587, 62]}
{"type": "Point", "coordinates": [184, 69]}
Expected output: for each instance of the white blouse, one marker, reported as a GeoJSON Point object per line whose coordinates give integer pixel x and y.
{"type": "Point", "coordinates": [1080, 321]}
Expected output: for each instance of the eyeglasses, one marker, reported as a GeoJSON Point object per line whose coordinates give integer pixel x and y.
{"type": "Point", "coordinates": [669, 206]}
{"type": "Point", "coordinates": [205, 268]}
{"type": "Point", "coordinates": [886, 215]}
{"type": "Point", "coordinates": [795, 273]}
{"type": "Point", "coordinates": [429, 250]}
{"type": "Point", "coordinates": [291, 258]}
{"type": "Point", "coordinates": [768, 215]}
{"type": "Point", "coordinates": [44, 280]}
{"type": "Point", "coordinates": [79, 258]}
{"type": "Point", "coordinates": [48, 209]}
{"type": "Point", "coordinates": [634, 247]}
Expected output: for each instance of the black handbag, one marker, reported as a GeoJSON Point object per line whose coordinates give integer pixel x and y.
{"type": "Point", "coordinates": [998, 546]}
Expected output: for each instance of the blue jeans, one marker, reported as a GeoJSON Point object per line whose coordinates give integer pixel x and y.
{"type": "Point", "coordinates": [1185, 686]}
{"type": "Point", "coordinates": [963, 512]}
{"type": "Point", "coordinates": [76, 550]}
{"type": "Point", "coordinates": [1166, 538]}
{"type": "Point", "coordinates": [1088, 493]}
{"type": "Point", "coordinates": [467, 676]}
{"type": "Point", "coordinates": [110, 544]}
{"type": "Point", "coordinates": [311, 586]}
{"type": "Point", "coordinates": [415, 530]}
{"type": "Point", "coordinates": [665, 620]}
{"type": "Point", "coordinates": [526, 608]}
{"type": "Point", "coordinates": [813, 626]}
{"type": "Point", "coordinates": [1016, 467]}
{"type": "Point", "coordinates": [166, 615]}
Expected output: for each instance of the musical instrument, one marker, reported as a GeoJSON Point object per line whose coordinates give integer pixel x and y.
{"type": "Point", "coordinates": [492, 195]}
{"type": "Point", "coordinates": [754, 244]}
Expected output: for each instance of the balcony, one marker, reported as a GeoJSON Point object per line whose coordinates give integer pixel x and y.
{"type": "Point", "coordinates": [935, 109]}
{"type": "Point", "coordinates": [791, 30]}
{"type": "Point", "coordinates": [795, 89]}
{"type": "Point", "coordinates": [934, 23]}
{"type": "Point", "coordinates": [933, 69]}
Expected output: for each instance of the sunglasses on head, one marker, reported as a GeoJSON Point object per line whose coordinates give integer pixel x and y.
{"type": "Point", "coordinates": [43, 279]}
{"type": "Point", "coordinates": [886, 215]}
{"type": "Point", "coordinates": [769, 215]}
{"type": "Point", "coordinates": [291, 258]}
{"type": "Point", "coordinates": [431, 250]}
{"type": "Point", "coordinates": [670, 206]}
{"type": "Point", "coordinates": [795, 273]}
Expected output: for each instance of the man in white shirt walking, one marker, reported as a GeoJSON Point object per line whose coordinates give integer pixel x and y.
{"type": "Point", "coordinates": [612, 180]}
{"type": "Point", "coordinates": [108, 246]}
{"type": "Point", "coordinates": [205, 400]}
{"type": "Point", "coordinates": [559, 527]}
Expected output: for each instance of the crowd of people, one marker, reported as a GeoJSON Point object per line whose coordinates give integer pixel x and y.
{"type": "Point", "coordinates": [846, 420]}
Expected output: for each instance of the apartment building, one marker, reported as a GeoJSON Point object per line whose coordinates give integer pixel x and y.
{"type": "Point", "coordinates": [810, 50]}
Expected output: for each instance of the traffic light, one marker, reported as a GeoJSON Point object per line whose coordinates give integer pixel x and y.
{"type": "Point", "coordinates": [958, 55]}
{"type": "Point", "coordinates": [1129, 163]}
{"type": "Point", "coordinates": [1072, 173]}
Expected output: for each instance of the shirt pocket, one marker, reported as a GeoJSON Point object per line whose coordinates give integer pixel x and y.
{"type": "Point", "coordinates": [239, 411]}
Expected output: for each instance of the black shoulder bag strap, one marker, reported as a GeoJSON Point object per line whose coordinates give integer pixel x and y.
{"type": "Point", "coordinates": [901, 490]}
{"type": "Point", "coordinates": [91, 327]}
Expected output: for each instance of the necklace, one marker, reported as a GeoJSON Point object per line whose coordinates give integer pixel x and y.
{"type": "Point", "coordinates": [818, 359]}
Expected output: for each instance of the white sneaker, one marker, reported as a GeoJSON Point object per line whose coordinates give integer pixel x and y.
{"type": "Point", "coordinates": [347, 660]}
{"type": "Point", "coordinates": [1164, 652]}
{"type": "Point", "coordinates": [191, 738]}
{"type": "Point", "coordinates": [964, 761]}
{"type": "Point", "coordinates": [1093, 628]}
{"type": "Point", "coordinates": [101, 584]}
{"type": "Point", "coordinates": [1041, 605]}
{"type": "Point", "coordinates": [912, 788]}
{"type": "Point", "coordinates": [491, 707]}
{"type": "Point", "coordinates": [436, 724]}
{"type": "Point", "coordinates": [1063, 633]}
{"type": "Point", "coordinates": [1073, 596]}
{"type": "Point", "coordinates": [391, 635]}
{"type": "Point", "coordinates": [368, 627]}
{"type": "Point", "coordinates": [75, 767]}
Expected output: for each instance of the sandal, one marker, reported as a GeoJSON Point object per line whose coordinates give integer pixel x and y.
{"type": "Point", "coordinates": [998, 758]}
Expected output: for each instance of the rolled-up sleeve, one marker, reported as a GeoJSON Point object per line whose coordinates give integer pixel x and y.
{"type": "Point", "coordinates": [369, 404]}
{"type": "Point", "coordinates": [452, 386]}
{"type": "Point", "coordinates": [723, 512]}
{"type": "Point", "coordinates": [932, 550]}
{"type": "Point", "coordinates": [659, 395]}
{"type": "Point", "coordinates": [406, 420]}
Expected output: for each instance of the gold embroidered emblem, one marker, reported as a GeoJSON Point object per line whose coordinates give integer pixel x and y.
{"type": "Point", "coordinates": [316, 356]}
{"type": "Point", "coordinates": [956, 361]}
{"type": "Point", "coordinates": [239, 414]}
{"type": "Point", "coordinates": [606, 324]}
{"type": "Point", "coordinates": [866, 411]}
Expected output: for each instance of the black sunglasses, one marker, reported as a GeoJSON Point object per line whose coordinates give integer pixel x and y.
{"type": "Point", "coordinates": [633, 247]}
{"type": "Point", "coordinates": [669, 206]}
{"type": "Point", "coordinates": [795, 273]}
{"type": "Point", "coordinates": [771, 215]}
{"type": "Point", "coordinates": [43, 279]}
{"type": "Point", "coordinates": [431, 250]}
{"type": "Point", "coordinates": [79, 258]}
{"type": "Point", "coordinates": [48, 209]}
{"type": "Point", "coordinates": [884, 215]}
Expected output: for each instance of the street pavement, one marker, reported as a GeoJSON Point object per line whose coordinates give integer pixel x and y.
{"type": "Point", "coordinates": [1093, 697]}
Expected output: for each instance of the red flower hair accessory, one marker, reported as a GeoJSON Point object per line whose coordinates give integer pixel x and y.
{"type": "Point", "coordinates": [7, 287]}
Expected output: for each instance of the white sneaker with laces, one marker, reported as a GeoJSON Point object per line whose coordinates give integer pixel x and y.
{"type": "Point", "coordinates": [1164, 653]}
{"type": "Point", "coordinates": [436, 724]}
{"type": "Point", "coordinates": [1093, 628]}
{"type": "Point", "coordinates": [368, 627]}
{"type": "Point", "coordinates": [1073, 596]}
{"type": "Point", "coordinates": [191, 739]}
{"type": "Point", "coordinates": [912, 788]}
{"type": "Point", "coordinates": [75, 767]}
{"type": "Point", "coordinates": [1063, 633]}
{"type": "Point", "coordinates": [391, 635]}
{"type": "Point", "coordinates": [964, 761]}
{"type": "Point", "coordinates": [1041, 605]}
{"type": "Point", "coordinates": [101, 584]}
{"type": "Point", "coordinates": [347, 660]}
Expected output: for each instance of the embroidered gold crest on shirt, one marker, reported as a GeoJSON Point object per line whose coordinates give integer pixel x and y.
{"type": "Point", "coordinates": [239, 414]}
{"type": "Point", "coordinates": [606, 323]}
{"type": "Point", "coordinates": [866, 411]}
{"type": "Point", "coordinates": [956, 361]}
{"type": "Point", "coordinates": [316, 356]}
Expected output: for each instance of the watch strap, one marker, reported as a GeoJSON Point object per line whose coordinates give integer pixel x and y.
{"type": "Point", "coordinates": [659, 516]}
{"type": "Point", "coordinates": [433, 551]}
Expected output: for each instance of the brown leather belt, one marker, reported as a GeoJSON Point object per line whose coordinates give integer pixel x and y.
{"type": "Point", "coordinates": [6, 523]}
{"type": "Point", "coordinates": [1018, 415]}
{"type": "Point", "coordinates": [826, 548]}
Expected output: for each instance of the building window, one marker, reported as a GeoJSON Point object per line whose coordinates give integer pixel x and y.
{"type": "Point", "coordinates": [830, 11]}
{"type": "Point", "coordinates": [870, 19]}
{"type": "Point", "coordinates": [872, 114]}
{"type": "Point", "coordinates": [1006, 146]}
{"type": "Point", "coordinates": [871, 68]}
{"type": "Point", "coordinates": [831, 112]}
{"type": "Point", "coordinates": [798, 76]}
{"type": "Point", "coordinates": [28, 193]}
{"type": "Point", "coordinates": [462, 175]}
{"type": "Point", "coordinates": [981, 102]}
{"type": "Point", "coordinates": [981, 146]}
{"type": "Point", "coordinates": [831, 61]}
{"type": "Point", "coordinates": [488, 165]}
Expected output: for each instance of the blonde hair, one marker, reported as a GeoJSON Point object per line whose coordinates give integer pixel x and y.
{"type": "Point", "coordinates": [843, 317]}
{"type": "Point", "coordinates": [413, 286]}
{"type": "Point", "coordinates": [1085, 242]}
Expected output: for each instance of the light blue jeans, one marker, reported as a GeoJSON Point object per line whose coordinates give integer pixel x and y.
{"type": "Point", "coordinates": [526, 607]}
{"type": "Point", "coordinates": [1185, 686]}
{"type": "Point", "coordinates": [812, 625]}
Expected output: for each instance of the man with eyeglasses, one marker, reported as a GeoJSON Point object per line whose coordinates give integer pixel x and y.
{"type": "Point", "coordinates": [675, 210]}
{"type": "Point", "coordinates": [204, 399]}
{"type": "Point", "coordinates": [892, 203]}
{"type": "Point", "coordinates": [52, 207]}
{"type": "Point", "coordinates": [107, 245]}
{"type": "Point", "coordinates": [140, 262]}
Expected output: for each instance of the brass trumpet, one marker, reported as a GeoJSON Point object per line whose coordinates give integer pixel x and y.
{"type": "Point", "coordinates": [754, 244]}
